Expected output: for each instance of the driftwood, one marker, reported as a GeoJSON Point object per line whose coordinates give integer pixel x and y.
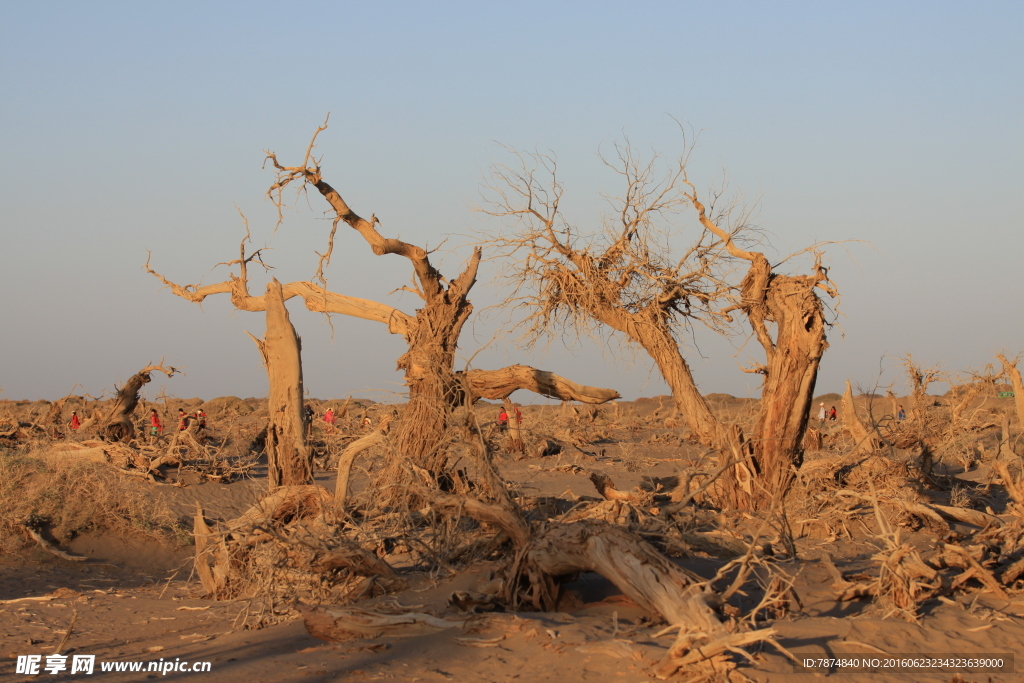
{"type": "Point", "coordinates": [635, 567]}
{"type": "Point", "coordinates": [51, 548]}
{"type": "Point", "coordinates": [339, 625]}
{"type": "Point", "coordinates": [500, 384]}
{"type": "Point", "coordinates": [348, 456]}
{"type": "Point", "coordinates": [606, 487]}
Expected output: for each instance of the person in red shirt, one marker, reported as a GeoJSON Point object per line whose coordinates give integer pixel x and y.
{"type": "Point", "coordinates": [156, 427]}
{"type": "Point", "coordinates": [329, 419]}
{"type": "Point", "coordinates": [75, 422]}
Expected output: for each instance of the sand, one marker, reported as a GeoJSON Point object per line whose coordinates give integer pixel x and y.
{"type": "Point", "coordinates": [136, 600]}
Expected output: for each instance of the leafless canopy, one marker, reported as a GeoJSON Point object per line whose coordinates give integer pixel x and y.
{"type": "Point", "coordinates": [564, 277]}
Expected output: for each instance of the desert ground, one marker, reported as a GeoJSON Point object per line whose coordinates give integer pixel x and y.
{"type": "Point", "coordinates": [911, 548]}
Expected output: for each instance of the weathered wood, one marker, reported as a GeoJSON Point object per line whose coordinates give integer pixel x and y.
{"type": "Point", "coordinates": [500, 384]}
{"type": "Point", "coordinates": [348, 456]}
{"type": "Point", "coordinates": [863, 442]}
{"type": "Point", "coordinates": [289, 459]}
{"type": "Point", "coordinates": [635, 567]}
{"type": "Point", "coordinates": [117, 424]}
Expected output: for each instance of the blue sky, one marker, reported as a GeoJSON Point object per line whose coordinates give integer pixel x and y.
{"type": "Point", "coordinates": [133, 126]}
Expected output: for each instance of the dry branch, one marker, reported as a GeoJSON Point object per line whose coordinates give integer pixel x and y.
{"type": "Point", "coordinates": [500, 384]}
{"type": "Point", "coordinates": [348, 456]}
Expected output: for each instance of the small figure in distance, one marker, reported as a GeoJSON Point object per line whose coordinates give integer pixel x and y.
{"type": "Point", "coordinates": [833, 415]}
{"type": "Point", "coordinates": [822, 413]}
{"type": "Point", "coordinates": [201, 416]}
{"type": "Point", "coordinates": [329, 420]}
{"type": "Point", "coordinates": [901, 415]}
{"type": "Point", "coordinates": [75, 422]}
{"type": "Point", "coordinates": [307, 419]}
{"type": "Point", "coordinates": [156, 427]}
{"type": "Point", "coordinates": [502, 421]}
{"type": "Point", "coordinates": [182, 420]}
{"type": "Point", "coordinates": [366, 421]}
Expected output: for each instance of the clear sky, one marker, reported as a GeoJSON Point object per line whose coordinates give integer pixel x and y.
{"type": "Point", "coordinates": [127, 126]}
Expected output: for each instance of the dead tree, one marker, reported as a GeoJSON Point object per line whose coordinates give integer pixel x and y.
{"type": "Point", "coordinates": [920, 378]}
{"type": "Point", "coordinates": [116, 424]}
{"type": "Point", "coordinates": [623, 277]}
{"type": "Point", "coordinates": [626, 279]}
{"type": "Point", "coordinates": [289, 459]}
{"type": "Point", "coordinates": [435, 388]}
{"type": "Point", "coordinates": [790, 304]}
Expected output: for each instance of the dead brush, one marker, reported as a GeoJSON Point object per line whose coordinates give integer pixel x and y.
{"type": "Point", "coordinates": [904, 580]}
{"type": "Point", "coordinates": [633, 459]}
{"type": "Point", "coordinates": [74, 497]}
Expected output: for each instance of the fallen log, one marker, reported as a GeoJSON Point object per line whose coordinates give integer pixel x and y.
{"type": "Point", "coordinates": [338, 625]}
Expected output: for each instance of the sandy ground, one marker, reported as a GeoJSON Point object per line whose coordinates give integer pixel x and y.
{"type": "Point", "coordinates": [136, 601]}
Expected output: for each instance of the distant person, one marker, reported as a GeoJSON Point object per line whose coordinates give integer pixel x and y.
{"type": "Point", "coordinates": [201, 416]}
{"type": "Point", "coordinates": [329, 420]}
{"type": "Point", "coordinates": [156, 427]}
{"type": "Point", "coordinates": [75, 422]}
{"type": "Point", "coordinates": [901, 415]}
{"type": "Point", "coordinates": [822, 413]}
{"type": "Point", "coordinates": [182, 420]}
{"type": "Point", "coordinates": [502, 420]}
{"type": "Point", "coordinates": [833, 414]}
{"type": "Point", "coordinates": [307, 419]}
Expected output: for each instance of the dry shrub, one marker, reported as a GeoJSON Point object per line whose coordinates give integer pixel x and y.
{"type": "Point", "coordinates": [72, 497]}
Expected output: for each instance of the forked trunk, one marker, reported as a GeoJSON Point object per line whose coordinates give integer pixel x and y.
{"type": "Point", "coordinates": [289, 459]}
{"type": "Point", "coordinates": [789, 387]}
{"type": "Point", "coordinates": [775, 449]}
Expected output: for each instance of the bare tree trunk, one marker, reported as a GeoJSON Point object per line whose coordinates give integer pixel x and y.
{"type": "Point", "coordinates": [636, 568]}
{"type": "Point", "coordinates": [434, 388]}
{"type": "Point", "coordinates": [117, 424]}
{"type": "Point", "coordinates": [792, 303]}
{"type": "Point", "coordinates": [289, 459]}
{"type": "Point", "coordinates": [861, 436]}
{"type": "Point", "coordinates": [515, 436]}
{"type": "Point", "coordinates": [789, 387]}
{"type": "Point", "coordinates": [658, 342]}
